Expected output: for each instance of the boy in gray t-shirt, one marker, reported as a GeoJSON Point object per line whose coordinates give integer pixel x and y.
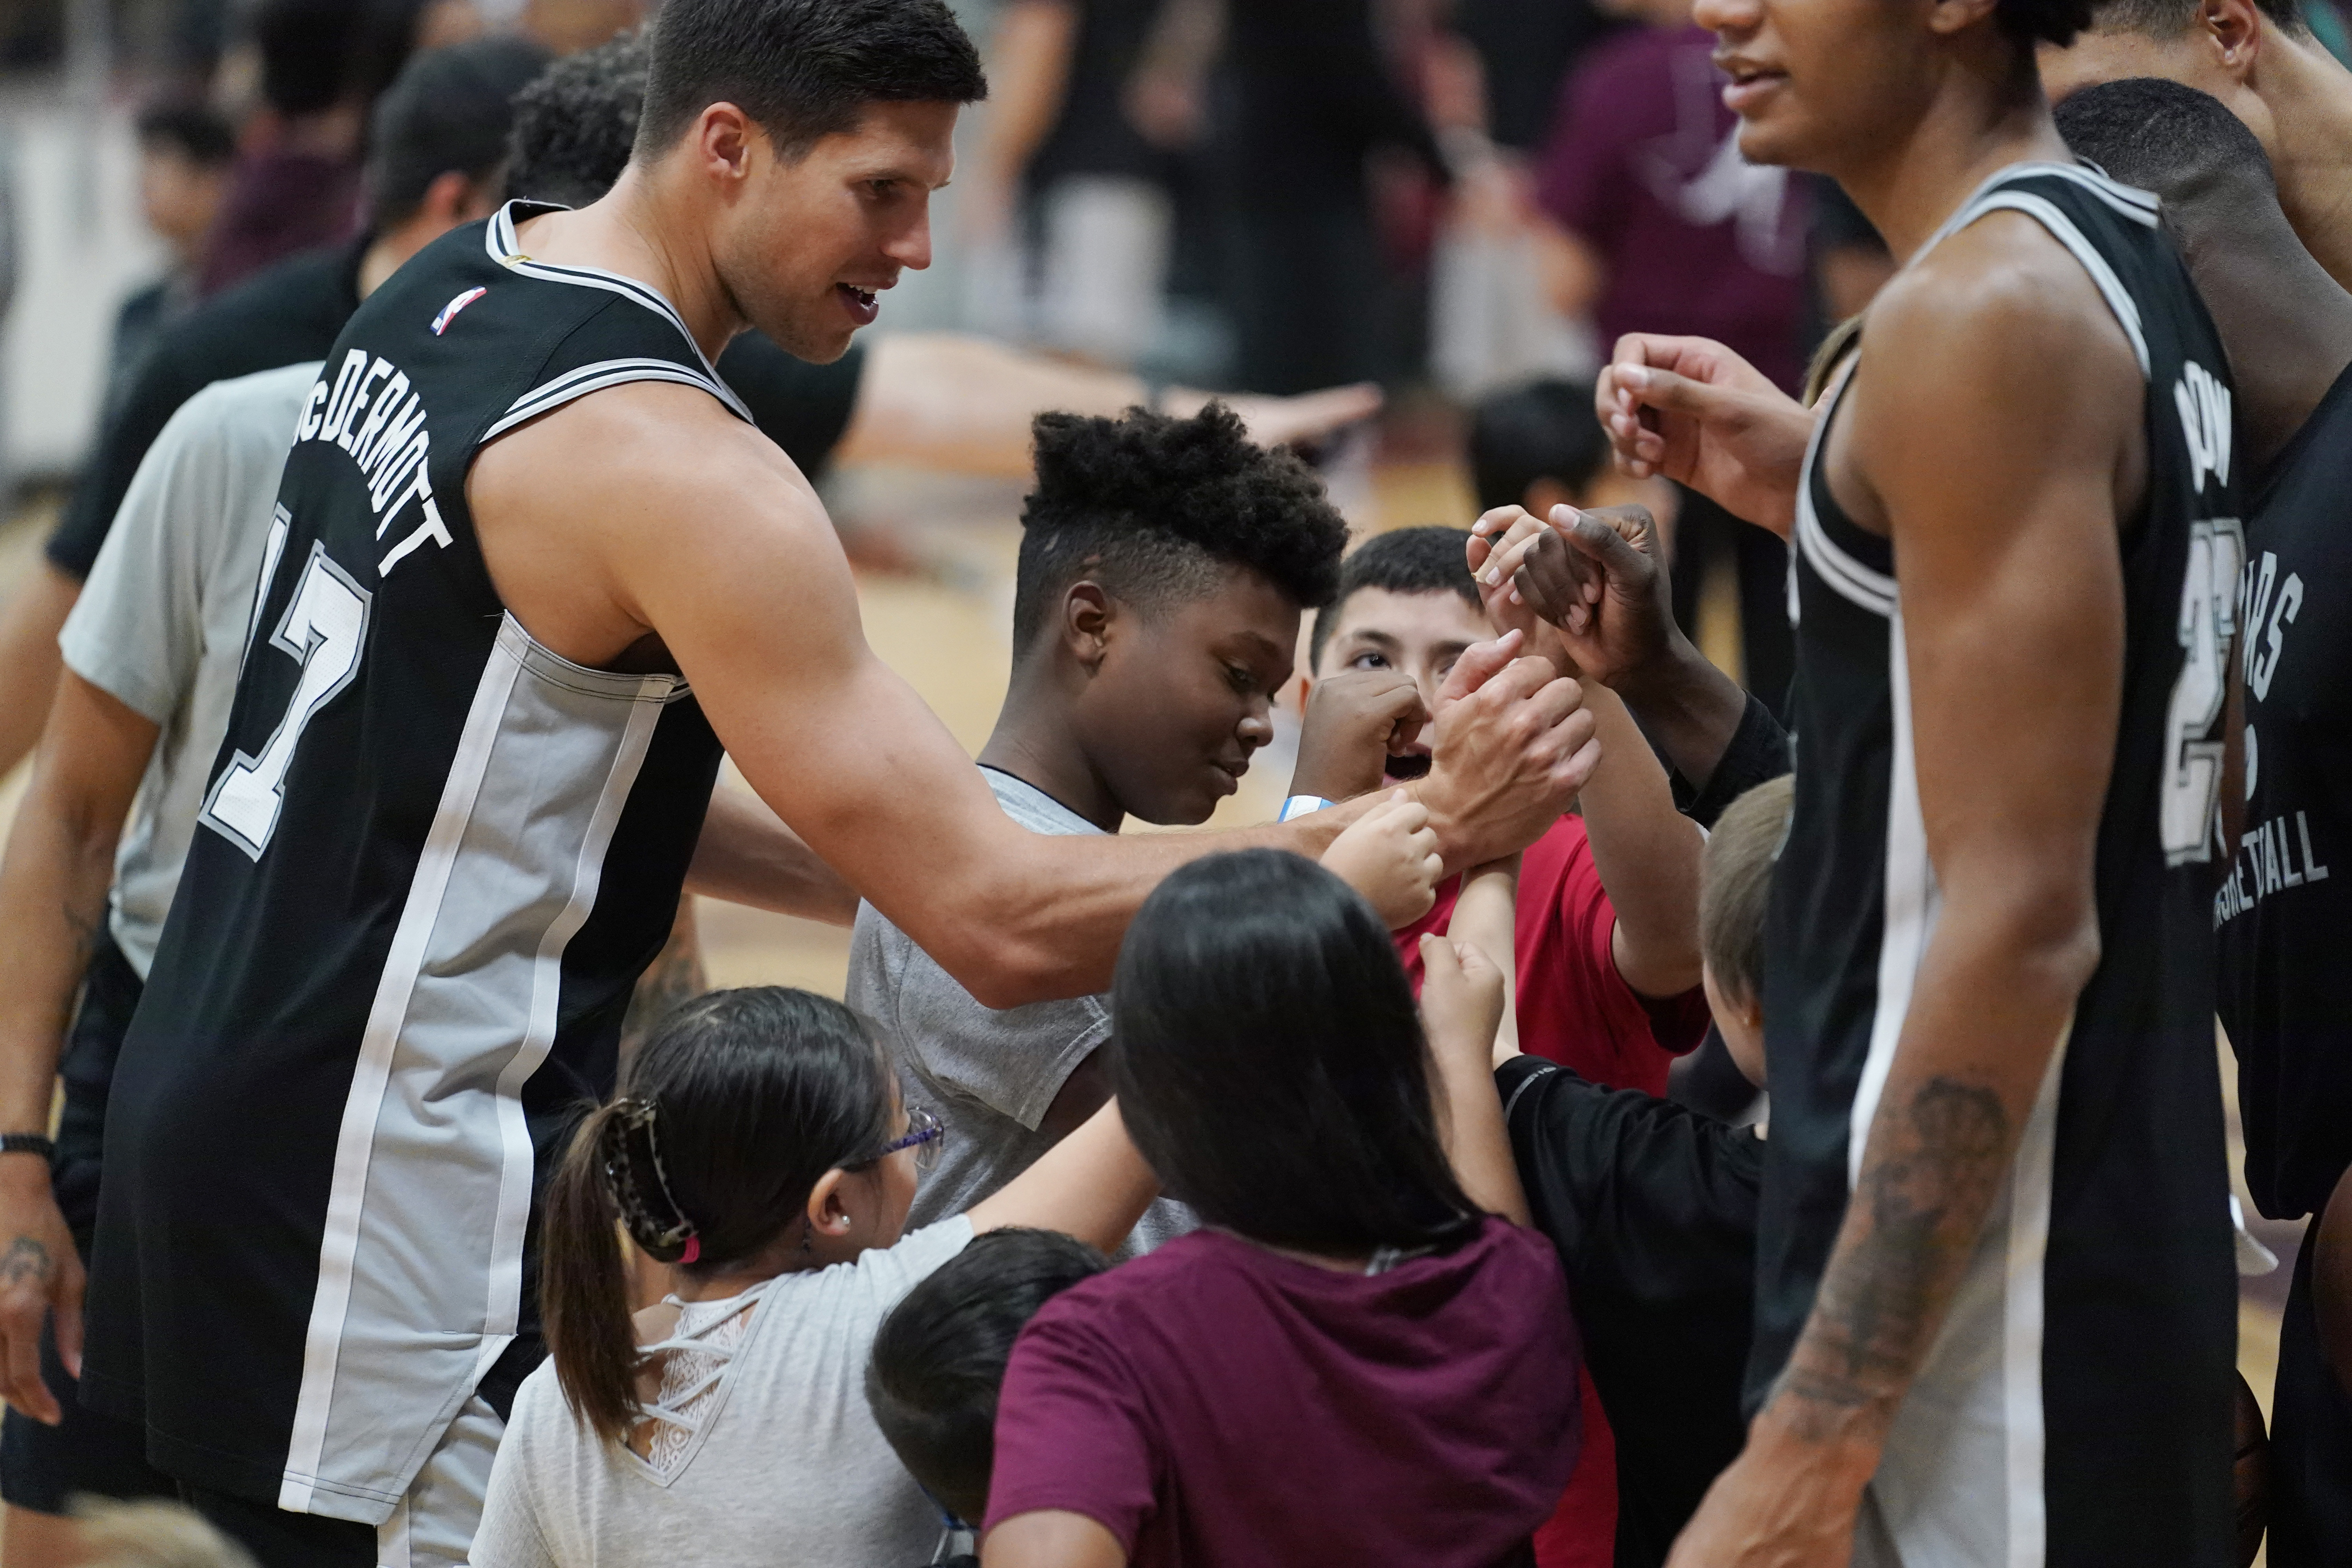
{"type": "Point", "coordinates": [1163, 569]}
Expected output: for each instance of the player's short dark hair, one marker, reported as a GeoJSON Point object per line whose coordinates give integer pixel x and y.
{"type": "Point", "coordinates": [803, 70]}
{"type": "Point", "coordinates": [448, 111]}
{"type": "Point", "coordinates": [939, 1356]}
{"type": "Point", "coordinates": [193, 129]}
{"type": "Point", "coordinates": [1270, 1064]}
{"type": "Point", "coordinates": [2168, 19]}
{"type": "Point", "coordinates": [1734, 885]}
{"type": "Point", "coordinates": [573, 126]}
{"type": "Point", "coordinates": [1403, 561]}
{"type": "Point", "coordinates": [1151, 506]}
{"type": "Point", "coordinates": [2164, 137]}
{"type": "Point", "coordinates": [2031, 22]}
{"type": "Point", "coordinates": [1544, 430]}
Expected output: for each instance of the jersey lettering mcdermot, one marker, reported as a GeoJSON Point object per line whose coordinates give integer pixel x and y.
{"type": "Point", "coordinates": [2074, 1407]}
{"type": "Point", "coordinates": [433, 857]}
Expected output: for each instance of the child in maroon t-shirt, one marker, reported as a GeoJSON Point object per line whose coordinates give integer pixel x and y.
{"type": "Point", "coordinates": [1607, 986]}
{"type": "Point", "coordinates": [1352, 1361]}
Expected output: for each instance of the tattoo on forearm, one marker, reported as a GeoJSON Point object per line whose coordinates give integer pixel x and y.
{"type": "Point", "coordinates": [27, 1261]}
{"type": "Point", "coordinates": [86, 929]}
{"type": "Point", "coordinates": [1925, 1186]}
{"type": "Point", "coordinates": [675, 976]}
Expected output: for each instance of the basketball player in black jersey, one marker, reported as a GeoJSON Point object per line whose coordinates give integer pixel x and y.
{"type": "Point", "coordinates": [1996, 1308]}
{"type": "Point", "coordinates": [2284, 909]}
{"type": "Point", "coordinates": [532, 568]}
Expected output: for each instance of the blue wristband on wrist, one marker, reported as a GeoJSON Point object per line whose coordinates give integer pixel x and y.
{"type": "Point", "coordinates": [1301, 806]}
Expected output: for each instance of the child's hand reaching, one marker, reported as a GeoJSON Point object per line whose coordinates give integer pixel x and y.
{"type": "Point", "coordinates": [1389, 856]}
{"type": "Point", "coordinates": [1354, 720]}
{"type": "Point", "coordinates": [1461, 1002]}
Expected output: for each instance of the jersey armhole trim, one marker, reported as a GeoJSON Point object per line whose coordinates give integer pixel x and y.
{"type": "Point", "coordinates": [575, 385]}
{"type": "Point", "coordinates": [505, 249]}
{"type": "Point", "coordinates": [2061, 227]}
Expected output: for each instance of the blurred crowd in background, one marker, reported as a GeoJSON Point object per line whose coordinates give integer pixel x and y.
{"type": "Point", "coordinates": [1463, 200]}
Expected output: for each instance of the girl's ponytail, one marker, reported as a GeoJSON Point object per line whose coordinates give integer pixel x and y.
{"type": "Point", "coordinates": [583, 1289]}
{"type": "Point", "coordinates": [727, 1117]}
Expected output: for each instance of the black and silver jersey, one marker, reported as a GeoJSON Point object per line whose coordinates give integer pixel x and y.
{"type": "Point", "coordinates": [2075, 1407]}
{"type": "Point", "coordinates": [433, 858]}
{"type": "Point", "coordinates": [2283, 912]}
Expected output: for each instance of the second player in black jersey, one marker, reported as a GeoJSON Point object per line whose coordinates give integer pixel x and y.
{"type": "Point", "coordinates": [2284, 903]}
{"type": "Point", "coordinates": [1995, 1317]}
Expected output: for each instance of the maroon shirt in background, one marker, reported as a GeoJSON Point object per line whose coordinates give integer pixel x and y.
{"type": "Point", "coordinates": [1696, 240]}
{"type": "Point", "coordinates": [278, 204]}
{"type": "Point", "coordinates": [1215, 1404]}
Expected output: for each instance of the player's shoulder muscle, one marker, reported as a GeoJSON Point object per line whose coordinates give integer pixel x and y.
{"type": "Point", "coordinates": [1998, 339]}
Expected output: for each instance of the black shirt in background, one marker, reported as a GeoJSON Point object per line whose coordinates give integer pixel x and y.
{"type": "Point", "coordinates": [2284, 909]}
{"type": "Point", "coordinates": [1091, 134]}
{"type": "Point", "coordinates": [1652, 1208]}
{"type": "Point", "coordinates": [295, 310]}
{"type": "Point", "coordinates": [282, 315]}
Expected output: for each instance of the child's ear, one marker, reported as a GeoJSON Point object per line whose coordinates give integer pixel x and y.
{"type": "Point", "coordinates": [1087, 611]}
{"type": "Point", "coordinates": [828, 1213]}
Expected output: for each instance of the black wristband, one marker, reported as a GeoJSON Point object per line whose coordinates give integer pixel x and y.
{"type": "Point", "coordinates": [28, 1143]}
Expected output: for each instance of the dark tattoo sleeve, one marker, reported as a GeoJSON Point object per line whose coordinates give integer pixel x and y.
{"type": "Point", "coordinates": [1928, 1179]}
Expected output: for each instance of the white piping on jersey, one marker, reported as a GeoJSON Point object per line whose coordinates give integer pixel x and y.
{"type": "Point", "coordinates": [1908, 917]}
{"type": "Point", "coordinates": [370, 1074]}
{"type": "Point", "coordinates": [1872, 590]}
{"type": "Point", "coordinates": [2131, 203]}
{"type": "Point", "coordinates": [1933, 1483]}
{"type": "Point", "coordinates": [505, 249]}
{"type": "Point", "coordinates": [505, 1306]}
{"type": "Point", "coordinates": [2061, 230]}
{"type": "Point", "coordinates": [2031, 1176]}
{"type": "Point", "coordinates": [591, 378]}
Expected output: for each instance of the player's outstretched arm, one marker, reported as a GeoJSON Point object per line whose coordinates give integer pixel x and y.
{"type": "Point", "coordinates": [1995, 419]}
{"type": "Point", "coordinates": [1692, 410]}
{"type": "Point", "coordinates": [53, 887]}
{"type": "Point", "coordinates": [948, 400]}
{"type": "Point", "coordinates": [644, 510]}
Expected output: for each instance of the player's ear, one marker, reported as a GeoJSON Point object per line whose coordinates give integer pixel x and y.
{"type": "Point", "coordinates": [1952, 17]}
{"type": "Point", "coordinates": [2233, 29]}
{"type": "Point", "coordinates": [1088, 614]}
{"type": "Point", "coordinates": [722, 136]}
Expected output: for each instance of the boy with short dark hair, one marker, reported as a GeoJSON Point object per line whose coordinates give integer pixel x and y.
{"type": "Point", "coordinates": [1653, 1208]}
{"type": "Point", "coordinates": [1162, 570]}
{"type": "Point", "coordinates": [1608, 949]}
{"type": "Point", "coordinates": [940, 1358]}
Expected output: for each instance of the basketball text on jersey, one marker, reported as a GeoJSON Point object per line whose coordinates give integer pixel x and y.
{"type": "Point", "coordinates": [2276, 854]}
{"type": "Point", "coordinates": [2272, 857]}
{"type": "Point", "coordinates": [363, 411]}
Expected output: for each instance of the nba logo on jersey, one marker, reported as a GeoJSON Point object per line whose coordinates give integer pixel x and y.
{"type": "Point", "coordinates": [449, 312]}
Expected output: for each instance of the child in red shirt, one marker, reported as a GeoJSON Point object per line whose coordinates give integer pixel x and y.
{"type": "Point", "coordinates": [1606, 985]}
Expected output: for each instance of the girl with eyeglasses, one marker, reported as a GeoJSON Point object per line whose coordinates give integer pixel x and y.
{"type": "Point", "coordinates": [759, 1145]}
